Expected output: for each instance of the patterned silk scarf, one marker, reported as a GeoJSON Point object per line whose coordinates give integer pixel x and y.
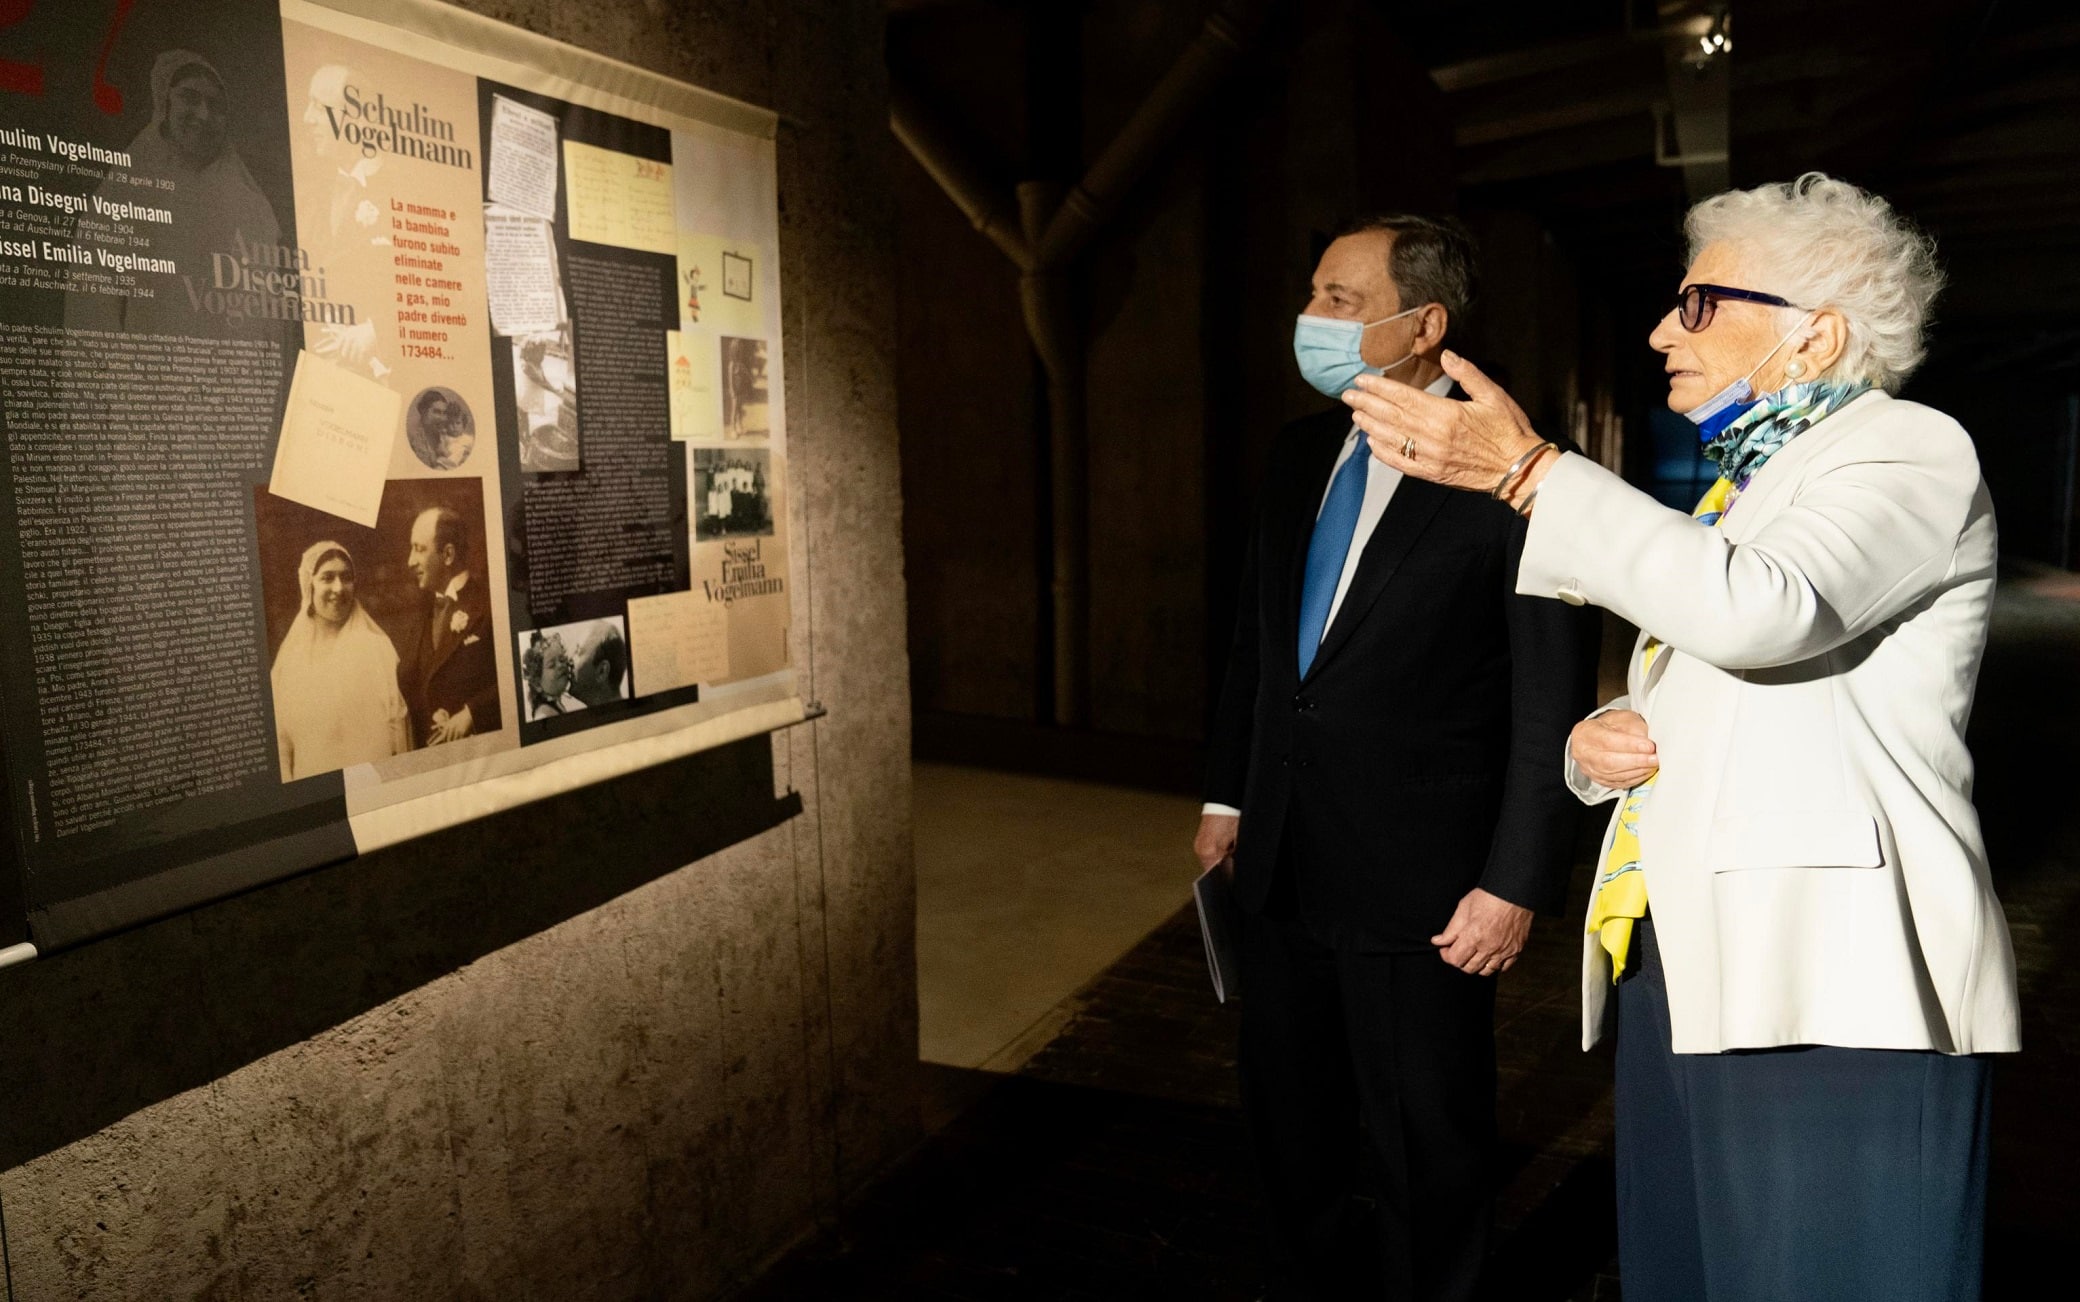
{"type": "Point", "coordinates": [1740, 450]}
{"type": "Point", "coordinates": [1778, 417]}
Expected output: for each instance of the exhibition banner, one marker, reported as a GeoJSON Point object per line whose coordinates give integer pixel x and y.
{"type": "Point", "coordinates": [392, 404]}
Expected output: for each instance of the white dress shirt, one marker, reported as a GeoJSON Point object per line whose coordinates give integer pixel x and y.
{"type": "Point", "coordinates": [1380, 483]}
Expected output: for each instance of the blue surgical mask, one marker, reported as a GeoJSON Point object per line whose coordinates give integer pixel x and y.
{"type": "Point", "coordinates": [1729, 404]}
{"type": "Point", "coordinates": [1327, 349]}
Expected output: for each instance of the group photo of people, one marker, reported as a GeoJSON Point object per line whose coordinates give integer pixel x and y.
{"type": "Point", "coordinates": [731, 493]}
{"type": "Point", "coordinates": [381, 640]}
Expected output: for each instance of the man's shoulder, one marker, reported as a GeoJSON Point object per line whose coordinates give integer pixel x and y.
{"type": "Point", "coordinates": [1304, 439]}
{"type": "Point", "coordinates": [475, 597]}
{"type": "Point", "coordinates": [1330, 423]}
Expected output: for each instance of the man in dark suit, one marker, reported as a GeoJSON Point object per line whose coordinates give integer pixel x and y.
{"type": "Point", "coordinates": [449, 675]}
{"type": "Point", "coordinates": [1385, 773]}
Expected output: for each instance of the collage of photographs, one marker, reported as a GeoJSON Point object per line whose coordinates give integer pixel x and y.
{"type": "Point", "coordinates": [393, 626]}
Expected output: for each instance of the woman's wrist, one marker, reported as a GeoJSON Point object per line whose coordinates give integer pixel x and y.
{"type": "Point", "coordinates": [1524, 491]}
{"type": "Point", "coordinates": [1525, 455]}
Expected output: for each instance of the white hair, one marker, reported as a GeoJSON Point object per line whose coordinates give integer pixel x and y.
{"type": "Point", "coordinates": [1825, 243]}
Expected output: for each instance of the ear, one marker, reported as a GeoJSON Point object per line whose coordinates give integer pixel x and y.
{"type": "Point", "coordinates": [1431, 325]}
{"type": "Point", "coordinates": [1821, 343]}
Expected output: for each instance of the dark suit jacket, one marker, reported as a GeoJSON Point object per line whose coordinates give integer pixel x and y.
{"type": "Point", "coordinates": [462, 670]}
{"type": "Point", "coordinates": [1421, 756]}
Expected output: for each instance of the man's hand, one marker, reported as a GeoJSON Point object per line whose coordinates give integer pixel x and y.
{"type": "Point", "coordinates": [1216, 839]}
{"type": "Point", "coordinates": [1485, 935]}
{"type": "Point", "coordinates": [1614, 750]}
{"type": "Point", "coordinates": [454, 728]}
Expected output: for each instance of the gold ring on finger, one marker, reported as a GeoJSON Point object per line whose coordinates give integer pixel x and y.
{"type": "Point", "coordinates": [1408, 450]}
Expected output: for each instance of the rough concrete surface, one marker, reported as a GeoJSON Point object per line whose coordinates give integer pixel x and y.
{"type": "Point", "coordinates": [625, 1043]}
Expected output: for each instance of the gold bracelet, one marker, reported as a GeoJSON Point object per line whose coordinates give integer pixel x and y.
{"type": "Point", "coordinates": [1519, 464]}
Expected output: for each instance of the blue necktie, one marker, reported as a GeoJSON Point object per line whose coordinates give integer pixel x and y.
{"type": "Point", "coordinates": [1333, 530]}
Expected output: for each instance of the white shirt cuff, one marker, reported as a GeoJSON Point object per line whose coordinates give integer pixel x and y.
{"type": "Point", "coordinates": [1211, 808]}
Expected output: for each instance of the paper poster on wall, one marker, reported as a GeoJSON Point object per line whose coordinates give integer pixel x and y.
{"type": "Point", "coordinates": [620, 199]}
{"type": "Point", "coordinates": [692, 361]}
{"type": "Point", "coordinates": [523, 158]}
{"type": "Point", "coordinates": [334, 447]}
{"type": "Point", "coordinates": [720, 288]}
{"type": "Point", "coordinates": [361, 337]}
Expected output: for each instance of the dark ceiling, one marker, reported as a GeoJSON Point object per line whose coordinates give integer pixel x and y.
{"type": "Point", "coordinates": [1966, 113]}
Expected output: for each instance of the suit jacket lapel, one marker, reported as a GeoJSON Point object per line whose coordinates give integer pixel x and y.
{"type": "Point", "coordinates": [439, 649]}
{"type": "Point", "coordinates": [1414, 504]}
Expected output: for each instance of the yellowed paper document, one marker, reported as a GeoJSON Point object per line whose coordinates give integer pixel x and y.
{"type": "Point", "coordinates": [719, 285]}
{"type": "Point", "coordinates": [335, 446]}
{"type": "Point", "coordinates": [619, 199]}
{"type": "Point", "coordinates": [691, 362]}
{"type": "Point", "coordinates": [520, 274]}
{"type": "Point", "coordinates": [680, 639]}
{"type": "Point", "coordinates": [523, 157]}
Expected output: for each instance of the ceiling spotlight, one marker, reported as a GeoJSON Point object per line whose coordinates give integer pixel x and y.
{"type": "Point", "coordinates": [1716, 41]}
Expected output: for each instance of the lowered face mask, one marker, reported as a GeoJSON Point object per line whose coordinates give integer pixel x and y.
{"type": "Point", "coordinates": [1327, 348]}
{"type": "Point", "coordinates": [1729, 404]}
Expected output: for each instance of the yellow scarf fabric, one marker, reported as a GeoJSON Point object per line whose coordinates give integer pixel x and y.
{"type": "Point", "coordinates": [1621, 888]}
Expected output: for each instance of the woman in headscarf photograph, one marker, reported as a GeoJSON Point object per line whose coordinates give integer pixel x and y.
{"type": "Point", "coordinates": [336, 700]}
{"type": "Point", "coordinates": [215, 202]}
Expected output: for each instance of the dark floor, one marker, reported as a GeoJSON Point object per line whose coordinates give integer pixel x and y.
{"type": "Point", "coordinates": [1111, 1166]}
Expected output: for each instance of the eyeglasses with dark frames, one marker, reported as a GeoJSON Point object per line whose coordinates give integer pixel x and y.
{"type": "Point", "coordinates": [1696, 304]}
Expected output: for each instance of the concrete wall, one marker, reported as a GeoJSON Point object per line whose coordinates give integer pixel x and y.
{"type": "Point", "coordinates": [600, 1047]}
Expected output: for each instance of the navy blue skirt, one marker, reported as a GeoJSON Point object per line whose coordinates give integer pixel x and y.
{"type": "Point", "coordinates": [1816, 1172]}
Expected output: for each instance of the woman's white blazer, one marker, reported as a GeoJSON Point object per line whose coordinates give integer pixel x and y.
{"type": "Point", "coordinates": [1814, 866]}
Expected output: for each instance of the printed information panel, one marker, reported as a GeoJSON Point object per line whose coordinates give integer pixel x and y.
{"type": "Point", "coordinates": [393, 429]}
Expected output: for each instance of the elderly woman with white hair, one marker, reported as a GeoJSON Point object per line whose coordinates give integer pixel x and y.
{"type": "Point", "coordinates": [1792, 904]}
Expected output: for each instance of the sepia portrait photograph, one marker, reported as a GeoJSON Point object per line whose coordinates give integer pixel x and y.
{"type": "Point", "coordinates": [380, 640]}
{"type": "Point", "coordinates": [732, 493]}
{"type": "Point", "coordinates": [745, 410]}
{"type": "Point", "coordinates": [440, 428]}
{"type": "Point", "coordinates": [572, 667]}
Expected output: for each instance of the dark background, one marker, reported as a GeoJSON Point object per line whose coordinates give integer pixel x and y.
{"type": "Point", "coordinates": [1536, 122]}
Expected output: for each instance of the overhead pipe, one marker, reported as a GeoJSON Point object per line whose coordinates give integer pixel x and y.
{"type": "Point", "coordinates": [961, 181]}
{"type": "Point", "coordinates": [1175, 99]}
{"type": "Point", "coordinates": [1050, 231]}
{"type": "Point", "coordinates": [1048, 299]}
